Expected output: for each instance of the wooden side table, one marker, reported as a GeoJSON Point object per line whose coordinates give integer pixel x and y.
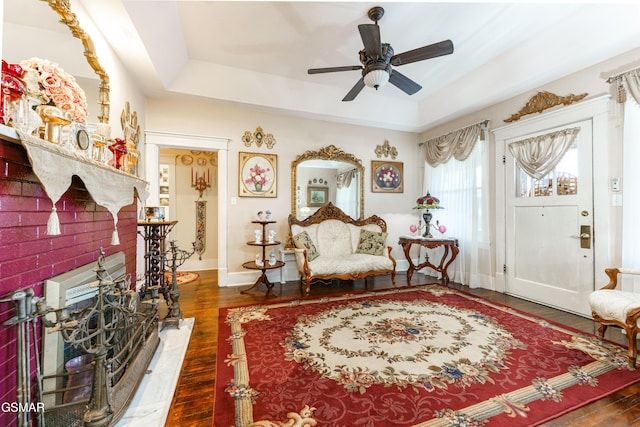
{"type": "Point", "coordinates": [450, 253]}
{"type": "Point", "coordinates": [264, 266]}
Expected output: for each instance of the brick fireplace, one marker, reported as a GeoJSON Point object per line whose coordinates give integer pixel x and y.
{"type": "Point", "coordinates": [28, 256]}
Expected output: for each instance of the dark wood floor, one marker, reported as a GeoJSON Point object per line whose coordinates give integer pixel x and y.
{"type": "Point", "coordinates": [193, 400]}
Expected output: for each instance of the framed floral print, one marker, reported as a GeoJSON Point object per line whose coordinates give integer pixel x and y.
{"type": "Point", "coordinates": [258, 175]}
{"type": "Point", "coordinates": [386, 177]}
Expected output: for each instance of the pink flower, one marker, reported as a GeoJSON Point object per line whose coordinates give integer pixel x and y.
{"type": "Point", "coordinates": [48, 82]}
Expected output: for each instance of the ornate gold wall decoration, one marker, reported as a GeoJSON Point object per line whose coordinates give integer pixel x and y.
{"type": "Point", "coordinates": [259, 138]}
{"type": "Point", "coordinates": [542, 101]}
{"type": "Point", "coordinates": [386, 150]}
{"type": "Point", "coordinates": [131, 130]}
{"type": "Point", "coordinates": [63, 8]}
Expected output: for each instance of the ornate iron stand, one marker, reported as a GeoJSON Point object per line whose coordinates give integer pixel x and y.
{"type": "Point", "coordinates": [174, 258]}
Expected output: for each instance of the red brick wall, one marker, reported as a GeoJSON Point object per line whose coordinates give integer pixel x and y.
{"type": "Point", "coordinates": [28, 255]}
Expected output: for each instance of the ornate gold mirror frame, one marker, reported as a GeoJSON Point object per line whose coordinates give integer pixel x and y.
{"type": "Point", "coordinates": [330, 152]}
{"type": "Point", "coordinates": [67, 17]}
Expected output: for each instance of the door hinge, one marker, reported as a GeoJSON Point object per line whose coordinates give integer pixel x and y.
{"type": "Point", "coordinates": [504, 268]}
{"type": "Point", "coordinates": [504, 160]}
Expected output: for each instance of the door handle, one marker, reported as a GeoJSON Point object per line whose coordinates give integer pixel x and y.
{"type": "Point", "coordinates": [585, 236]}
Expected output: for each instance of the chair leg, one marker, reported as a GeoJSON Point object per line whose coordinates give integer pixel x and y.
{"type": "Point", "coordinates": [601, 330]}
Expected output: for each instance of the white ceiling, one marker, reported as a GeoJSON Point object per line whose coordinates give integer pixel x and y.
{"type": "Point", "coordinates": [256, 53]}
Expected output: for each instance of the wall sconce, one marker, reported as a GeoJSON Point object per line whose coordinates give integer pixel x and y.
{"type": "Point", "coordinates": [201, 183]}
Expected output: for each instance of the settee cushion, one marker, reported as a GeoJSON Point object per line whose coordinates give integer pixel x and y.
{"type": "Point", "coordinates": [371, 242]}
{"type": "Point", "coordinates": [303, 241]}
{"type": "Point", "coordinates": [349, 264]}
{"type": "Point", "coordinates": [333, 238]}
{"type": "Point", "coordinates": [613, 304]}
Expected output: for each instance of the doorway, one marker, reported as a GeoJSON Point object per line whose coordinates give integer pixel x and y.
{"type": "Point", "coordinates": [552, 240]}
{"type": "Point", "coordinates": [154, 141]}
{"type": "Point", "coordinates": [549, 256]}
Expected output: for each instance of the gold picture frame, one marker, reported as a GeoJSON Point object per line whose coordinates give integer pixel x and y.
{"type": "Point", "coordinates": [387, 177]}
{"type": "Point", "coordinates": [257, 175]}
{"type": "Point", "coordinates": [317, 196]}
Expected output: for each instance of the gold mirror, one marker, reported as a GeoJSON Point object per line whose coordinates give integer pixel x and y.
{"type": "Point", "coordinates": [20, 16]}
{"type": "Point", "coordinates": [327, 175]}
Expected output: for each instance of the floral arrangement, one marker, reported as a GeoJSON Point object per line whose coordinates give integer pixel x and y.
{"type": "Point", "coordinates": [50, 84]}
{"type": "Point", "coordinates": [387, 177]}
{"type": "Point", "coordinates": [257, 176]}
{"type": "Point", "coordinates": [428, 202]}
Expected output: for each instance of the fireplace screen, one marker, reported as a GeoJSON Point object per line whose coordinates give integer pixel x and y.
{"type": "Point", "coordinates": [72, 289]}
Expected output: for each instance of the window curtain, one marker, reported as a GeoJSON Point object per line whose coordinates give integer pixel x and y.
{"type": "Point", "coordinates": [539, 155]}
{"type": "Point", "coordinates": [630, 176]}
{"type": "Point", "coordinates": [458, 144]}
{"type": "Point", "coordinates": [463, 189]}
{"type": "Point", "coordinates": [343, 179]}
{"type": "Point", "coordinates": [347, 194]}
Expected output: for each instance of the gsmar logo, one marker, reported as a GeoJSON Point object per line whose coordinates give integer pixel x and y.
{"type": "Point", "coordinates": [22, 407]}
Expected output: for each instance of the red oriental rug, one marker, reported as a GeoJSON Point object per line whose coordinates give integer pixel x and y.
{"type": "Point", "coordinates": [420, 356]}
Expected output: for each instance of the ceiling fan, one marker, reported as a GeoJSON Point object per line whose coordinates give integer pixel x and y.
{"type": "Point", "coordinates": [378, 58]}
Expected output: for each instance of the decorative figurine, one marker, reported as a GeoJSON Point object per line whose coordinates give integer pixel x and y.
{"type": "Point", "coordinates": [259, 262]}
{"type": "Point", "coordinates": [258, 235]}
{"type": "Point", "coordinates": [272, 259]}
{"type": "Point", "coordinates": [268, 213]}
{"type": "Point", "coordinates": [272, 235]}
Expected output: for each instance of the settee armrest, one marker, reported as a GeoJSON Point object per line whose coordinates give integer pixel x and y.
{"type": "Point", "coordinates": [613, 275]}
{"type": "Point", "coordinates": [301, 260]}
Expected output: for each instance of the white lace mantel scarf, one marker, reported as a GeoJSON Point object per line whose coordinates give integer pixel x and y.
{"type": "Point", "coordinates": [55, 165]}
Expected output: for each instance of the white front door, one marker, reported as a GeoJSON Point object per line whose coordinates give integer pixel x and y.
{"type": "Point", "coordinates": [549, 227]}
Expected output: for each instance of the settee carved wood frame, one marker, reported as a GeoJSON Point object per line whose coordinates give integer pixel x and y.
{"type": "Point", "coordinates": [542, 101]}
{"type": "Point", "coordinates": [330, 211]}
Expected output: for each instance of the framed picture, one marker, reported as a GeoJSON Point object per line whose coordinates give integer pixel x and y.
{"type": "Point", "coordinates": [258, 175]}
{"type": "Point", "coordinates": [317, 196]}
{"type": "Point", "coordinates": [154, 213]}
{"type": "Point", "coordinates": [386, 177]}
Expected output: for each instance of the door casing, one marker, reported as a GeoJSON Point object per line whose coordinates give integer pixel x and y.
{"type": "Point", "coordinates": [596, 109]}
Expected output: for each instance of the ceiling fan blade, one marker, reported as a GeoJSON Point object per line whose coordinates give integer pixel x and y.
{"type": "Point", "coordinates": [370, 34]}
{"type": "Point", "coordinates": [426, 52]}
{"type": "Point", "coordinates": [354, 90]}
{"type": "Point", "coordinates": [334, 69]}
{"type": "Point", "coordinates": [404, 83]}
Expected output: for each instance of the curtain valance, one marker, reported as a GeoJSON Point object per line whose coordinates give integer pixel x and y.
{"type": "Point", "coordinates": [538, 156]}
{"type": "Point", "coordinates": [457, 144]}
{"type": "Point", "coordinates": [344, 178]}
{"type": "Point", "coordinates": [55, 166]}
{"type": "Point", "coordinates": [627, 81]}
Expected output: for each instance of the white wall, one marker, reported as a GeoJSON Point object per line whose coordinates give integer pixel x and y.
{"type": "Point", "coordinates": [293, 137]}
{"type": "Point", "coordinates": [592, 81]}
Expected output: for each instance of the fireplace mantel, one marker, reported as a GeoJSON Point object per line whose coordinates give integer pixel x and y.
{"type": "Point", "coordinates": [55, 165]}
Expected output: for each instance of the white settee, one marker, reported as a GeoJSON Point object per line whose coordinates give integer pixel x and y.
{"type": "Point", "coordinates": [331, 245]}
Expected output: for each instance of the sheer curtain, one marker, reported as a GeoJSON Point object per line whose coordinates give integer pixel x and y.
{"type": "Point", "coordinates": [625, 83]}
{"type": "Point", "coordinates": [631, 194]}
{"type": "Point", "coordinates": [347, 193]}
{"type": "Point", "coordinates": [463, 190]}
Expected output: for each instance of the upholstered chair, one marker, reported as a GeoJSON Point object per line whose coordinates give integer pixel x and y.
{"type": "Point", "coordinates": [614, 307]}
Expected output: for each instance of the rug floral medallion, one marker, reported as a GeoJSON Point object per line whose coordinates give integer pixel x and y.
{"type": "Point", "coordinates": [417, 356]}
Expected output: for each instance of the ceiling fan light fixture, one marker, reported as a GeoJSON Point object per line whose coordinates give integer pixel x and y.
{"type": "Point", "coordinates": [376, 78]}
